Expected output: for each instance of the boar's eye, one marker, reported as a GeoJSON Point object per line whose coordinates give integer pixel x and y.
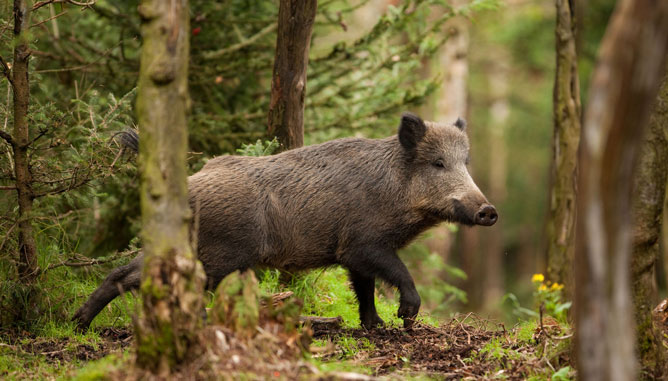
{"type": "Point", "coordinates": [439, 163]}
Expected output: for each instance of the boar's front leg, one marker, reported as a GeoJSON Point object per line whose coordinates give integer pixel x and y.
{"type": "Point", "coordinates": [385, 264]}
{"type": "Point", "coordinates": [364, 289]}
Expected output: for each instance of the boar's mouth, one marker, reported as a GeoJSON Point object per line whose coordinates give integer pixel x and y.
{"type": "Point", "coordinates": [458, 213]}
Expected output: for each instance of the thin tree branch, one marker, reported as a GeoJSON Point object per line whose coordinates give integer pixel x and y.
{"type": "Point", "coordinates": [6, 70]}
{"type": "Point", "coordinates": [9, 233]}
{"type": "Point", "coordinates": [42, 132]}
{"type": "Point", "coordinates": [250, 41]}
{"type": "Point", "coordinates": [91, 262]}
{"type": "Point", "coordinates": [7, 137]}
{"type": "Point", "coordinates": [48, 19]}
{"type": "Point", "coordinates": [106, 53]}
{"type": "Point", "coordinates": [85, 4]}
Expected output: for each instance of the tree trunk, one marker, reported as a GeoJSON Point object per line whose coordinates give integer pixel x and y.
{"type": "Point", "coordinates": [172, 279]}
{"type": "Point", "coordinates": [450, 103]}
{"type": "Point", "coordinates": [624, 86]}
{"type": "Point", "coordinates": [453, 59]}
{"type": "Point", "coordinates": [288, 85]}
{"type": "Point", "coordinates": [567, 114]}
{"type": "Point", "coordinates": [649, 194]}
{"type": "Point", "coordinates": [493, 282]}
{"type": "Point", "coordinates": [28, 268]}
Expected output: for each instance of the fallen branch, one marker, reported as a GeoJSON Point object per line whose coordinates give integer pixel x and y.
{"type": "Point", "coordinates": [333, 322]}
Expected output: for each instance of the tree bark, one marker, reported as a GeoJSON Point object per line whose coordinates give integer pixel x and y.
{"type": "Point", "coordinates": [288, 85]}
{"type": "Point", "coordinates": [20, 141]}
{"type": "Point", "coordinates": [567, 114]}
{"type": "Point", "coordinates": [172, 278]}
{"type": "Point", "coordinates": [450, 104]}
{"type": "Point", "coordinates": [624, 85]}
{"type": "Point", "coordinates": [493, 282]}
{"type": "Point", "coordinates": [649, 194]}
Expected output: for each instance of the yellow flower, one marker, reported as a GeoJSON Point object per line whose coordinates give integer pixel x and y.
{"type": "Point", "coordinates": [556, 286]}
{"type": "Point", "coordinates": [537, 278]}
{"type": "Point", "coordinates": [542, 287]}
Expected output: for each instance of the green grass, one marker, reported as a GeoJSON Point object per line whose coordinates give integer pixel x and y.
{"type": "Point", "coordinates": [327, 293]}
{"type": "Point", "coordinates": [100, 369]}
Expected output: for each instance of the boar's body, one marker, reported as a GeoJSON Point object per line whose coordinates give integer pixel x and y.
{"type": "Point", "coordinates": [352, 202]}
{"type": "Point", "coordinates": [306, 208]}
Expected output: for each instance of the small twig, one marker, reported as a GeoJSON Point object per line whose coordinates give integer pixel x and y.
{"type": "Point", "coordinates": [566, 337]}
{"type": "Point", "coordinates": [7, 187]}
{"type": "Point", "coordinates": [545, 357]}
{"type": "Point", "coordinates": [53, 352]}
{"type": "Point", "coordinates": [118, 155]}
{"type": "Point", "coordinates": [542, 328]}
{"type": "Point", "coordinates": [58, 217]}
{"type": "Point", "coordinates": [9, 233]}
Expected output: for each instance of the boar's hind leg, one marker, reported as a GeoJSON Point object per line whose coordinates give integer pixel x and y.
{"type": "Point", "coordinates": [123, 278]}
{"type": "Point", "coordinates": [364, 289]}
{"type": "Point", "coordinates": [386, 264]}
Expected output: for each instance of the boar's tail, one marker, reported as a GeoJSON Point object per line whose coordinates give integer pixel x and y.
{"type": "Point", "coordinates": [128, 139]}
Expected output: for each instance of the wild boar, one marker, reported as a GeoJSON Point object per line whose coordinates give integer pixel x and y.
{"type": "Point", "coordinates": [351, 202]}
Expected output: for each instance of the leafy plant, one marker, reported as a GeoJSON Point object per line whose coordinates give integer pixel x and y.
{"type": "Point", "coordinates": [549, 296]}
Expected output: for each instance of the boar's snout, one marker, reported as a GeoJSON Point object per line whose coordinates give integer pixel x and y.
{"type": "Point", "coordinates": [486, 215]}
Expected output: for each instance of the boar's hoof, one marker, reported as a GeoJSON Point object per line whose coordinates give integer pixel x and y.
{"type": "Point", "coordinates": [373, 322]}
{"type": "Point", "coordinates": [408, 312]}
{"type": "Point", "coordinates": [81, 327]}
{"type": "Point", "coordinates": [486, 215]}
{"type": "Point", "coordinates": [81, 321]}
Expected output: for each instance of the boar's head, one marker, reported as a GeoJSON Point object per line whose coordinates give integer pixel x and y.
{"type": "Point", "coordinates": [439, 183]}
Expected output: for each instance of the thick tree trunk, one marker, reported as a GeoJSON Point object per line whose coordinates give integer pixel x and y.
{"type": "Point", "coordinates": [288, 85]}
{"type": "Point", "coordinates": [624, 86]}
{"type": "Point", "coordinates": [649, 191]}
{"type": "Point", "coordinates": [493, 282]}
{"type": "Point", "coordinates": [567, 114]}
{"type": "Point", "coordinates": [172, 278]}
{"type": "Point", "coordinates": [28, 268]}
{"type": "Point", "coordinates": [453, 59]}
{"type": "Point", "coordinates": [450, 103]}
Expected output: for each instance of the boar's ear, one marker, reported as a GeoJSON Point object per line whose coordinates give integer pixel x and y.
{"type": "Point", "coordinates": [411, 131]}
{"type": "Point", "coordinates": [461, 124]}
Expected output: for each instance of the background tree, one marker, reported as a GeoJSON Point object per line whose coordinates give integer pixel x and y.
{"type": "Point", "coordinates": [20, 140]}
{"type": "Point", "coordinates": [44, 162]}
{"type": "Point", "coordinates": [172, 278]}
{"type": "Point", "coordinates": [567, 114]}
{"type": "Point", "coordinates": [288, 84]}
{"type": "Point", "coordinates": [630, 65]}
{"type": "Point", "coordinates": [494, 276]}
{"type": "Point", "coordinates": [649, 189]}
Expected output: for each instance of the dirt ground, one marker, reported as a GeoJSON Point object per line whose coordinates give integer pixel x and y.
{"type": "Point", "coordinates": [67, 350]}
{"type": "Point", "coordinates": [447, 352]}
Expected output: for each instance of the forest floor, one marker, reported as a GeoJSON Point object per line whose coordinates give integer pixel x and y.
{"type": "Point", "coordinates": [466, 347]}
